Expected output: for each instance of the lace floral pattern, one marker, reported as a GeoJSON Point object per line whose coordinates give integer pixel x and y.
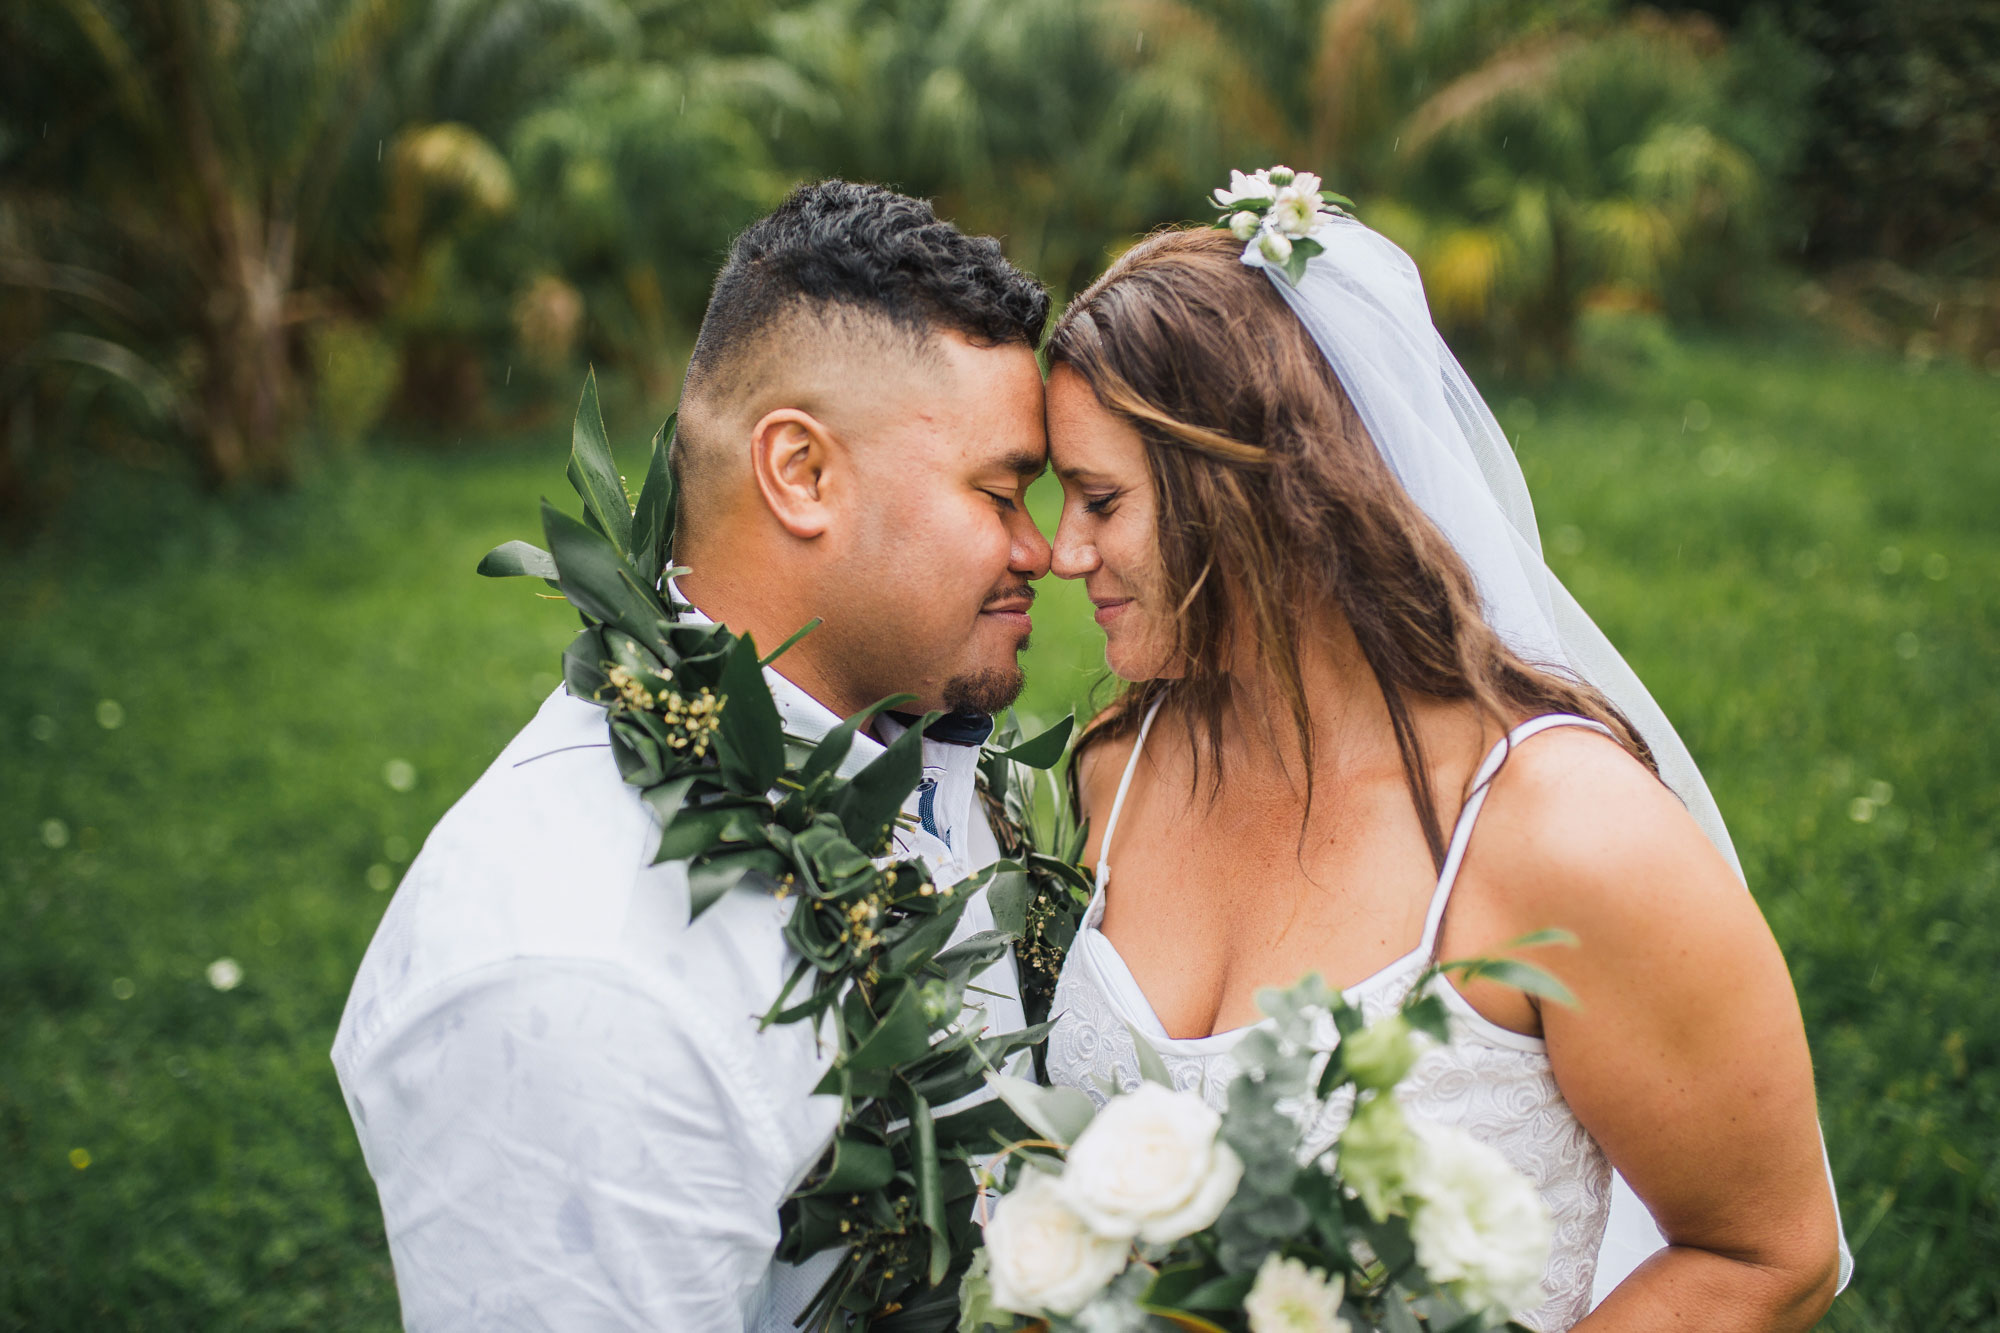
{"type": "Point", "coordinates": [1503, 1095]}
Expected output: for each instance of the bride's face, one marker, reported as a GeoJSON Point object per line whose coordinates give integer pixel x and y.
{"type": "Point", "coordinates": [1109, 536]}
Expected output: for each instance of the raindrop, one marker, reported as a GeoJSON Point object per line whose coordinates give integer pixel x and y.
{"type": "Point", "coordinates": [380, 877]}
{"type": "Point", "coordinates": [55, 834]}
{"type": "Point", "coordinates": [123, 988]}
{"type": "Point", "coordinates": [1880, 792]}
{"type": "Point", "coordinates": [177, 1067]}
{"type": "Point", "coordinates": [1569, 539]}
{"type": "Point", "coordinates": [42, 727]}
{"type": "Point", "coordinates": [1891, 560]}
{"type": "Point", "coordinates": [1713, 461]}
{"type": "Point", "coordinates": [1807, 564]}
{"type": "Point", "coordinates": [396, 848]}
{"type": "Point", "coordinates": [225, 974]}
{"type": "Point", "coordinates": [1696, 416]}
{"type": "Point", "coordinates": [79, 1158]}
{"type": "Point", "coordinates": [267, 931]}
{"type": "Point", "coordinates": [1861, 810]}
{"type": "Point", "coordinates": [400, 774]}
{"type": "Point", "coordinates": [1907, 646]}
{"type": "Point", "coordinates": [110, 714]}
{"type": "Point", "coordinates": [1936, 566]}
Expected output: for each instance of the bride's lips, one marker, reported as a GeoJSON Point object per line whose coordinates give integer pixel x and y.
{"type": "Point", "coordinates": [1109, 608]}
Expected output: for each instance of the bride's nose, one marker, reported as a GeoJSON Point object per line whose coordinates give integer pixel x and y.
{"type": "Point", "coordinates": [1072, 557]}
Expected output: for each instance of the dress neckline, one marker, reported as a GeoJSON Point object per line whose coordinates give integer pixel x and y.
{"type": "Point", "coordinates": [1131, 996]}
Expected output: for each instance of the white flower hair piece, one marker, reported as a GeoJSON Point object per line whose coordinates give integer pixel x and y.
{"type": "Point", "coordinates": [1275, 212]}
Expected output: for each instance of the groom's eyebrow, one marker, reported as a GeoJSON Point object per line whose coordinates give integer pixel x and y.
{"type": "Point", "coordinates": [1025, 463]}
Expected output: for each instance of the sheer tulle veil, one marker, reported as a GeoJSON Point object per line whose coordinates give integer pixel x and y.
{"type": "Point", "coordinates": [1363, 302]}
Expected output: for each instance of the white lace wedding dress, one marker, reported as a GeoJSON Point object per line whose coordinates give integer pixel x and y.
{"type": "Point", "coordinates": [1494, 1083]}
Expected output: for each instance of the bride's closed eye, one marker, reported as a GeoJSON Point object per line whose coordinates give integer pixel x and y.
{"type": "Point", "coordinates": [1100, 504]}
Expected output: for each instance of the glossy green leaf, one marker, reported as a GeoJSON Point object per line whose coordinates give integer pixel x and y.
{"type": "Point", "coordinates": [788, 644]}
{"type": "Point", "coordinates": [1007, 895]}
{"type": "Point", "coordinates": [515, 559]}
{"type": "Point", "coordinates": [653, 519]}
{"type": "Point", "coordinates": [583, 665]}
{"type": "Point", "coordinates": [833, 747]}
{"type": "Point", "coordinates": [1045, 750]}
{"type": "Point", "coordinates": [930, 1194]}
{"type": "Point", "coordinates": [1521, 976]}
{"type": "Point", "coordinates": [868, 805]}
{"type": "Point", "coordinates": [750, 743]}
{"type": "Point", "coordinates": [594, 474]}
{"type": "Point", "coordinates": [900, 1036]}
{"type": "Point", "coordinates": [858, 1164]}
{"type": "Point", "coordinates": [597, 579]}
{"type": "Point", "coordinates": [708, 881]}
{"type": "Point", "coordinates": [666, 799]}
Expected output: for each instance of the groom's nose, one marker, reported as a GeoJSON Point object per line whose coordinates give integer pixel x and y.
{"type": "Point", "coordinates": [1029, 556]}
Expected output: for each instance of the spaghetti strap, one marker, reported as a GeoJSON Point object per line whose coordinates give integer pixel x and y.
{"type": "Point", "coordinates": [1482, 782]}
{"type": "Point", "coordinates": [1124, 783]}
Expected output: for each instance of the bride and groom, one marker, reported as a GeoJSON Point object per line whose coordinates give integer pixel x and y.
{"type": "Point", "coordinates": [1363, 727]}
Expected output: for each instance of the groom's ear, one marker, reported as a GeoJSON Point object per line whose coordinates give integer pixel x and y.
{"type": "Point", "coordinates": [790, 452]}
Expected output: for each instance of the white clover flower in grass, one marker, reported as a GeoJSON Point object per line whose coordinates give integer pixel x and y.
{"type": "Point", "coordinates": [1044, 1258]}
{"type": "Point", "coordinates": [1480, 1227]}
{"type": "Point", "coordinates": [1288, 1297]}
{"type": "Point", "coordinates": [1152, 1165]}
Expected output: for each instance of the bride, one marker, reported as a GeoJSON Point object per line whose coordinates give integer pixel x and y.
{"type": "Point", "coordinates": [1365, 728]}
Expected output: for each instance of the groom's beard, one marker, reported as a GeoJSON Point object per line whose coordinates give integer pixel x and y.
{"type": "Point", "coordinates": [991, 689]}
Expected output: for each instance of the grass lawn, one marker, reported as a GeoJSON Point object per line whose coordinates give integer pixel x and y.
{"type": "Point", "coordinates": [226, 726]}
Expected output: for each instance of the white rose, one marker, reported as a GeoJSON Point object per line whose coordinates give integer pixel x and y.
{"type": "Point", "coordinates": [1479, 1225]}
{"type": "Point", "coordinates": [1274, 246]}
{"type": "Point", "coordinates": [1044, 1258]}
{"type": "Point", "coordinates": [1244, 225]}
{"type": "Point", "coordinates": [1151, 1165]}
{"type": "Point", "coordinates": [1288, 1297]}
{"type": "Point", "coordinates": [1295, 212]}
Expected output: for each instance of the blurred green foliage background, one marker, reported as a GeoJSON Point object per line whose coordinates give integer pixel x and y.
{"type": "Point", "coordinates": [295, 297]}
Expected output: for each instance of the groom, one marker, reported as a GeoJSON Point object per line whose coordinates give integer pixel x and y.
{"type": "Point", "coordinates": [558, 1081]}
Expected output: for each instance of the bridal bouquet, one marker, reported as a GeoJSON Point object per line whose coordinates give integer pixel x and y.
{"type": "Point", "coordinates": [1312, 1205]}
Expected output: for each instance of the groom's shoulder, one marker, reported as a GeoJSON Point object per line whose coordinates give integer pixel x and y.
{"type": "Point", "coordinates": [546, 856]}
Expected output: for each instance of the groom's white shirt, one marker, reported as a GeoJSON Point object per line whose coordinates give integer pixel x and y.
{"type": "Point", "coordinates": [557, 1079]}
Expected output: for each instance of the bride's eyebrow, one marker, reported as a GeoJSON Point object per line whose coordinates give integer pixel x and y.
{"type": "Point", "coordinates": [1082, 476]}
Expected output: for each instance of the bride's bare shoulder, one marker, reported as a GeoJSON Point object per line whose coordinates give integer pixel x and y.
{"type": "Point", "coordinates": [1575, 822]}
{"type": "Point", "coordinates": [1100, 763]}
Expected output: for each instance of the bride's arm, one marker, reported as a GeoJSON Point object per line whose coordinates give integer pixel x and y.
{"type": "Point", "coordinates": [1685, 1056]}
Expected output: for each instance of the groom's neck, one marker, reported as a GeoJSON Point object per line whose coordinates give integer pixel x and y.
{"type": "Point", "coordinates": [767, 613]}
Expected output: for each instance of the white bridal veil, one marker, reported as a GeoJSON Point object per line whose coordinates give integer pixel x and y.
{"type": "Point", "coordinates": [1363, 302]}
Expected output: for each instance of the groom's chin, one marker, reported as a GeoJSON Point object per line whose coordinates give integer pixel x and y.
{"type": "Point", "coordinates": [988, 691]}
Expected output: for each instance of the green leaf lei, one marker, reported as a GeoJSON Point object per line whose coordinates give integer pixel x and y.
{"type": "Point", "coordinates": [744, 805]}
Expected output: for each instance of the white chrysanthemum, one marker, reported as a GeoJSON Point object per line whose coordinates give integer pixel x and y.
{"type": "Point", "coordinates": [1151, 1165]}
{"type": "Point", "coordinates": [1244, 189]}
{"type": "Point", "coordinates": [1295, 212]}
{"type": "Point", "coordinates": [1479, 1225]}
{"type": "Point", "coordinates": [1288, 1297]}
{"type": "Point", "coordinates": [1044, 1258]}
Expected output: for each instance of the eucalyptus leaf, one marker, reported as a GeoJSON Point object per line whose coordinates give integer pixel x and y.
{"type": "Point", "coordinates": [901, 1035]}
{"type": "Point", "coordinates": [709, 880]}
{"type": "Point", "coordinates": [858, 1164]}
{"type": "Point", "coordinates": [583, 665]}
{"type": "Point", "coordinates": [1008, 894]}
{"type": "Point", "coordinates": [1521, 976]}
{"type": "Point", "coordinates": [515, 559]}
{"type": "Point", "coordinates": [868, 805]}
{"type": "Point", "coordinates": [1152, 1067]}
{"type": "Point", "coordinates": [1058, 1114]}
{"type": "Point", "coordinates": [594, 474]}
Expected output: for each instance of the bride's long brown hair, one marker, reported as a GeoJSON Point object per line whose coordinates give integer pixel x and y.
{"type": "Point", "coordinates": [1275, 507]}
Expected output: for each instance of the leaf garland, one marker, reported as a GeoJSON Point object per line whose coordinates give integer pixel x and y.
{"type": "Point", "coordinates": [741, 804]}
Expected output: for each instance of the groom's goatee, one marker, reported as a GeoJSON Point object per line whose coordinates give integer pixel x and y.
{"type": "Point", "coordinates": [989, 691]}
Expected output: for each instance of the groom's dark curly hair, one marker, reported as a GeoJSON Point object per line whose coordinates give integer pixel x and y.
{"type": "Point", "coordinates": [854, 261]}
{"type": "Point", "coordinates": [871, 250]}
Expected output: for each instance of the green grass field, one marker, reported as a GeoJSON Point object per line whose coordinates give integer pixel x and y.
{"type": "Point", "coordinates": [226, 726]}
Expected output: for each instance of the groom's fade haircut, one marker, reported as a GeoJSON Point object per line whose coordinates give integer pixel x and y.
{"type": "Point", "coordinates": [843, 263]}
